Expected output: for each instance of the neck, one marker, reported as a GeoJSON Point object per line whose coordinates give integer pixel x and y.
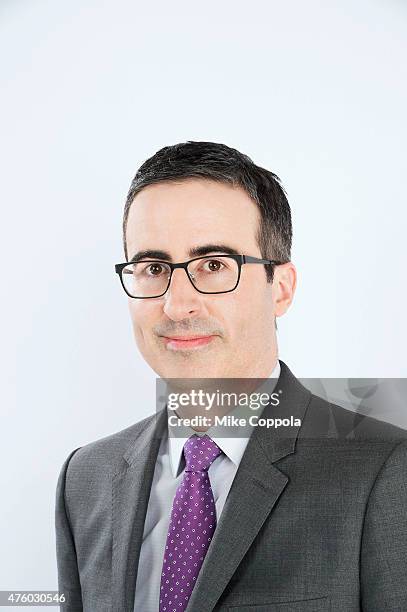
{"type": "Point", "coordinates": [208, 399]}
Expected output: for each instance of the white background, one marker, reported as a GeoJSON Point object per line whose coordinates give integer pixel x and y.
{"type": "Point", "coordinates": [315, 91]}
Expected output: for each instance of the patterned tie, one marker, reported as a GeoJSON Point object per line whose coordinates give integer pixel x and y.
{"type": "Point", "coordinates": [192, 524]}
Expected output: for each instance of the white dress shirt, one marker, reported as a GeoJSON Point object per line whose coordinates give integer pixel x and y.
{"type": "Point", "coordinates": [168, 474]}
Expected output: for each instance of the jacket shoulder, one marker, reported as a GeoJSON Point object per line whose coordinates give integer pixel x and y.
{"type": "Point", "coordinates": [349, 424]}
{"type": "Point", "coordinates": [104, 456]}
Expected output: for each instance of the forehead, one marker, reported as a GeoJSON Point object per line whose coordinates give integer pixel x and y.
{"type": "Point", "coordinates": [174, 215]}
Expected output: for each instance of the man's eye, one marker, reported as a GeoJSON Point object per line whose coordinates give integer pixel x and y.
{"type": "Point", "coordinates": [213, 265]}
{"type": "Point", "coordinates": [155, 269]}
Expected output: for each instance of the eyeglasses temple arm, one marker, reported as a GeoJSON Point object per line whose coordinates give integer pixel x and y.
{"type": "Point", "coordinates": [250, 259]}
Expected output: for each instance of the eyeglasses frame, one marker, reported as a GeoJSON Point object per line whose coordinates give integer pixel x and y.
{"type": "Point", "coordinates": [240, 260]}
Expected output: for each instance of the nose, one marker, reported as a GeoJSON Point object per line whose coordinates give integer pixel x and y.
{"type": "Point", "coordinates": [182, 300]}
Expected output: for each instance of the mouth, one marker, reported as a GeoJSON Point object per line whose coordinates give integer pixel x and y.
{"type": "Point", "coordinates": [186, 342]}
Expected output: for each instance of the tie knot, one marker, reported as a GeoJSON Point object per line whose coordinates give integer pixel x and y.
{"type": "Point", "coordinates": [200, 452]}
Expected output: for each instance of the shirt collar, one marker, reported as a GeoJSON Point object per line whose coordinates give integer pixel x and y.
{"type": "Point", "coordinates": [233, 447]}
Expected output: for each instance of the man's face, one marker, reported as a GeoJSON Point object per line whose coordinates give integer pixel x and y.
{"type": "Point", "coordinates": [178, 217]}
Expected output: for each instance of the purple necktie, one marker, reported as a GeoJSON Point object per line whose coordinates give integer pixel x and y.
{"type": "Point", "coordinates": [192, 524]}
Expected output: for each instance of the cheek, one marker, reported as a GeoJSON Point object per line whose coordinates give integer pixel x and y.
{"type": "Point", "coordinates": [248, 315]}
{"type": "Point", "coordinates": [142, 318]}
{"type": "Point", "coordinates": [234, 312]}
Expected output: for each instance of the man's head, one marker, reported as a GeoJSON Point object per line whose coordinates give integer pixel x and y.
{"type": "Point", "coordinates": [182, 199]}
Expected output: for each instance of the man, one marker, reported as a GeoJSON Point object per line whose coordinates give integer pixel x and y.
{"type": "Point", "coordinates": [310, 517]}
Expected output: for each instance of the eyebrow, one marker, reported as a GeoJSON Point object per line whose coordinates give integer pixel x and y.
{"type": "Point", "coordinates": [198, 251]}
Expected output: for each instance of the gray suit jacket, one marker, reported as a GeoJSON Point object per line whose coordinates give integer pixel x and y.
{"type": "Point", "coordinates": [315, 520]}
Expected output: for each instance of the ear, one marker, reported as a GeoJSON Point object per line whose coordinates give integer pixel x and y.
{"type": "Point", "coordinates": [284, 285]}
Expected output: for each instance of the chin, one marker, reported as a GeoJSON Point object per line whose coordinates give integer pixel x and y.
{"type": "Point", "coordinates": [190, 371]}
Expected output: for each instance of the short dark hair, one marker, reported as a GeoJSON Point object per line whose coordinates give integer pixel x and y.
{"type": "Point", "coordinates": [219, 162]}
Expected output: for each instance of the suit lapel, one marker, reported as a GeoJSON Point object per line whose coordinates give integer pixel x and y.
{"type": "Point", "coordinates": [257, 486]}
{"type": "Point", "coordinates": [130, 493]}
{"type": "Point", "coordinates": [255, 490]}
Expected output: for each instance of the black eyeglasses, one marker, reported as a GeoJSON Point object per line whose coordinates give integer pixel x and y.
{"type": "Point", "coordinates": [150, 278]}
